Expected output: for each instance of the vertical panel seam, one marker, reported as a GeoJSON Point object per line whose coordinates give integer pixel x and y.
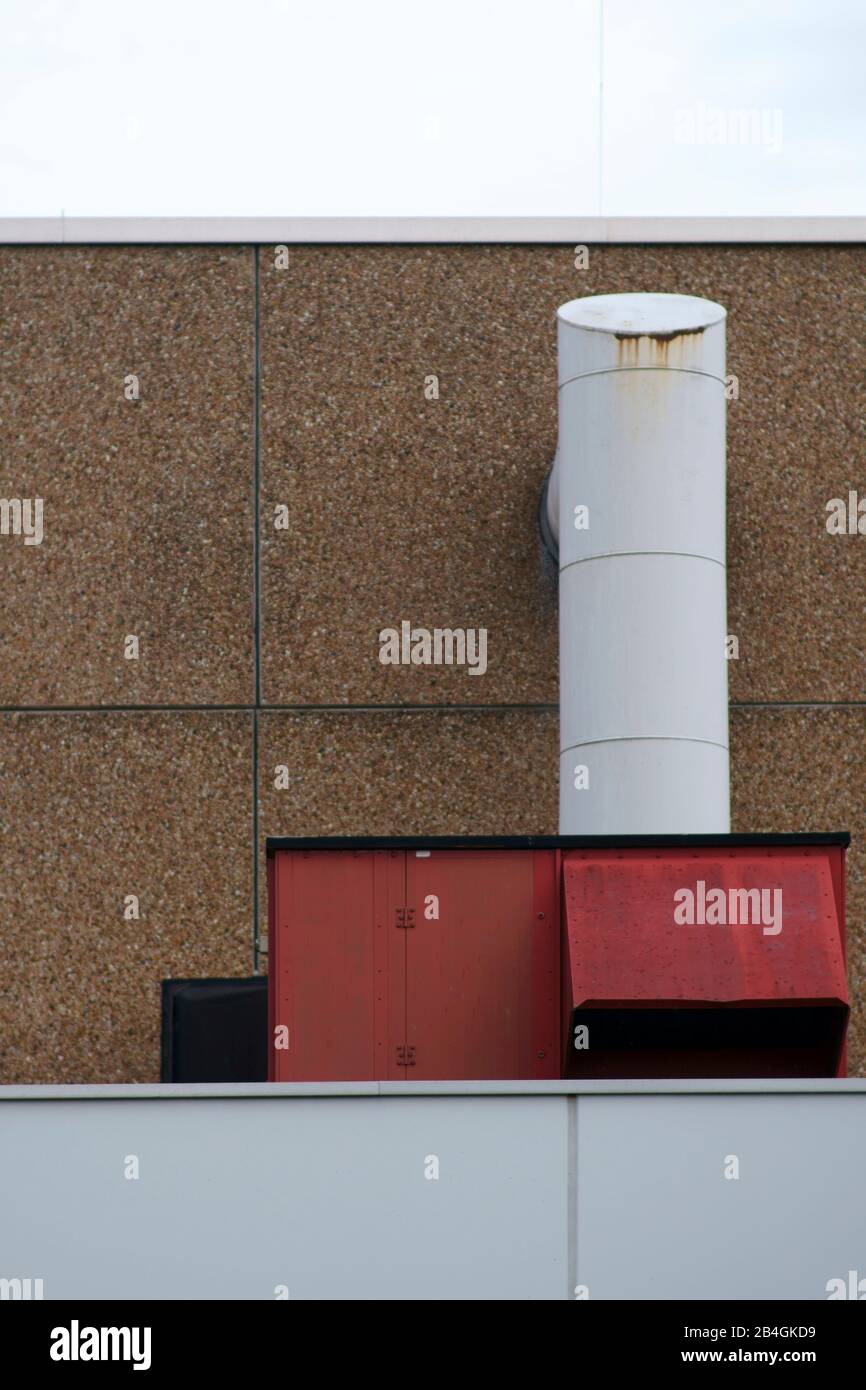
{"type": "Point", "coordinates": [255, 837]}
{"type": "Point", "coordinates": [257, 430]}
{"type": "Point", "coordinates": [405, 935]}
{"type": "Point", "coordinates": [571, 1180]}
{"type": "Point", "coordinates": [257, 674]}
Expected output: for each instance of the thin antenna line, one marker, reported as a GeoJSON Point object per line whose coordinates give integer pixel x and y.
{"type": "Point", "coordinates": [601, 108]}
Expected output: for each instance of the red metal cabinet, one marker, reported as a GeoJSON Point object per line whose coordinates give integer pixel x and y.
{"type": "Point", "coordinates": [750, 986]}
{"type": "Point", "coordinates": [336, 965]}
{"type": "Point", "coordinates": [482, 975]}
{"type": "Point", "coordinates": [414, 964]}
{"type": "Point", "coordinates": [476, 960]}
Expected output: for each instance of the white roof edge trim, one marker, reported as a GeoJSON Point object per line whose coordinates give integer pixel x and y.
{"type": "Point", "coordinates": [78, 231]}
{"type": "Point", "coordinates": [315, 1090]}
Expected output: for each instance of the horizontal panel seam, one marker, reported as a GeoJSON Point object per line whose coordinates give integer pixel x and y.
{"type": "Point", "coordinates": [617, 371]}
{"type": "Point", "coordinates": [622, 554]}
{"type": "Point", "coordinates": [541, 706]}
{"type": "Point", "coordinates": [643, 738]}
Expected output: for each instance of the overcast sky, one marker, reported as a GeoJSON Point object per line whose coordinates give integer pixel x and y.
{"type": "Point", "coordinates": [432, 107]}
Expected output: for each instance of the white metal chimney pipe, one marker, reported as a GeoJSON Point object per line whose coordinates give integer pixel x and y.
{"type": "Point", "coordinates": [636, 501]}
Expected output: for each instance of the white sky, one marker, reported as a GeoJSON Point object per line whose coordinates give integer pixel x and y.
{"type": "Point", "coordinates": [431, 107]}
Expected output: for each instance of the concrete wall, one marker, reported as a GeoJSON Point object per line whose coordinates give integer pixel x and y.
{"type": "Point", "coordinates": [304, 387]}
{"type": "Point", "coordinates": [538, 1191]}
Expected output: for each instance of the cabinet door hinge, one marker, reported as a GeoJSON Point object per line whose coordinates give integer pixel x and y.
{"type": "Point", "coordinates": [405, 1056]}
{"type": "Point", "coordinates": [404, 916]}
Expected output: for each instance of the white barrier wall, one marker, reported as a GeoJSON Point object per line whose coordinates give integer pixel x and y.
{"type": "Point", "coordinates": [445, 1190]}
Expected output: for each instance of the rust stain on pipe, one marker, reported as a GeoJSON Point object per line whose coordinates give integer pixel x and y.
{"type": "Point", "coordinates": [658, 346]}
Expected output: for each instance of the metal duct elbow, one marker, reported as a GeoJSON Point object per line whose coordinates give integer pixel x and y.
{"type": "Point", "coordinates": [636, 504]}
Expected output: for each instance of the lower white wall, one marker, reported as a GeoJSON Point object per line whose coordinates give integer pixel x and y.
{"type": "Point", "coordinates": [331, 1192]}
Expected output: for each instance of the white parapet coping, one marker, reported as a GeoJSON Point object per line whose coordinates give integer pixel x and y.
{"type": "Point", "coordinates": [125, 231]}
{"type": "Point", "coordinates": [311, 1090]}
